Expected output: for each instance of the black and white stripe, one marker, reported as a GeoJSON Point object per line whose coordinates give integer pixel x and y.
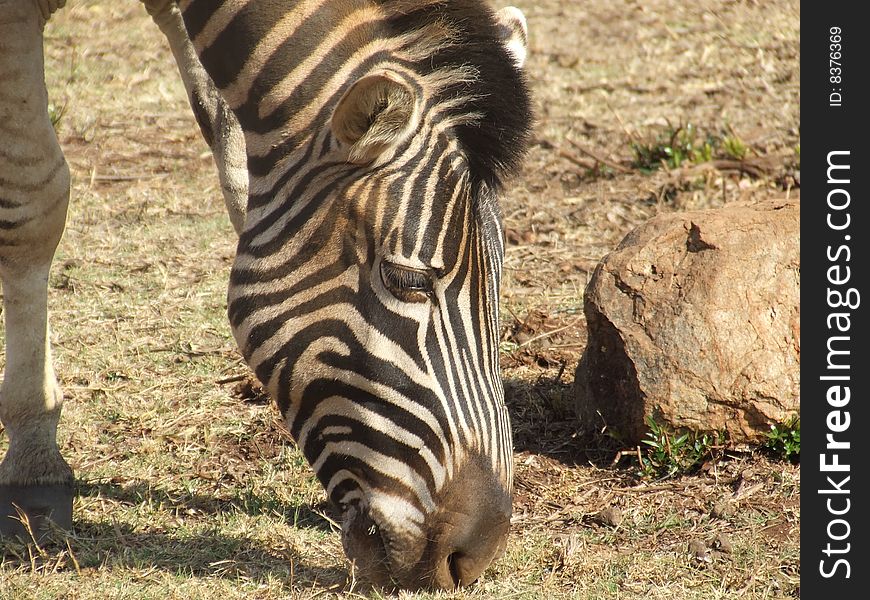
{"type": "Point", "coordinates": [365, 289]}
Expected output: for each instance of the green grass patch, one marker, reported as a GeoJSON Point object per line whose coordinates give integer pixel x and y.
{"type": "Point", "coordinates": [667, 453]}
{"type": "Point", "coordinates": [674, 146]}
{"type": "Point", "coordinates": [784, 440]}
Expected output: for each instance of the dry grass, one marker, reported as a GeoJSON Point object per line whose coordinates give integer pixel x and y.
{"type": "Point", "coordinates": [188, 488]}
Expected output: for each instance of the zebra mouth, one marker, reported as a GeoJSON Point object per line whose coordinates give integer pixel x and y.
{"type": "Point", "coordinates": [366, 548]}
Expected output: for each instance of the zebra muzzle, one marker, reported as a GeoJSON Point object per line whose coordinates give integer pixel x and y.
{"type": "Point", "coordinates": [466, 533]}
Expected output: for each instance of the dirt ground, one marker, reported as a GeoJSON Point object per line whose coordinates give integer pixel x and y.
{"type": "Point", "coordinates": [608, 76]}
{"type": "Point", "coordinates": [188, 488]}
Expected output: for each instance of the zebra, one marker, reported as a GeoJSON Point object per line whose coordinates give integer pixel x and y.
{"type": "Point", "coordinates": [378, 136]}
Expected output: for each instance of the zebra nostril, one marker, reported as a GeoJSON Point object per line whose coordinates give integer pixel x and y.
{"type": "Point", "coordinates": [453, 564]}
{"type": "Point", "coordinates": [464, 562]}
{"type": "Point", "coordinates": [471, 530]}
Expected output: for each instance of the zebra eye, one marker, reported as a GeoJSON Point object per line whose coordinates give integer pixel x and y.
{"type": "Point", "coordinates": [406, 283]}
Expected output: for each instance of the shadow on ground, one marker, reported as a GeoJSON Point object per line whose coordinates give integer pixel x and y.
{"type": "Point", "coordinates": [544, 423]}
{"type": "Point", "coordinates": [245, 501]}
{"type": "Point", "coordinates": [192, 551]}
{"type": "Point", "coordinates": [204, 554]}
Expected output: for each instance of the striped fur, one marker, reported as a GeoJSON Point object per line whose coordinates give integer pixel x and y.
{"type": "Point", "coordinates": [364, 292]}
{"type": "Point", "coordinates": [388, 398]}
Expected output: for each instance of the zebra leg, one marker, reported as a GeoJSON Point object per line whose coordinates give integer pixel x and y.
{"type": "Point", "coordinates": [218, 124]}
{"type": "Point", "coordinates": [36, 483]}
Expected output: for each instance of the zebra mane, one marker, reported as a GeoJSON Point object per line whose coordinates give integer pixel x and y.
{"type": "Point", "coordinates": [455, 44]}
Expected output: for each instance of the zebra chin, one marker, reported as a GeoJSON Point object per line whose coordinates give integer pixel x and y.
{"type": "Point", "coordinates": [457, 542]}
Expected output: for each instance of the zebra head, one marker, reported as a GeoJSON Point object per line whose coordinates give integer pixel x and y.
{"type": "Point", "coordinates": [365, 292]}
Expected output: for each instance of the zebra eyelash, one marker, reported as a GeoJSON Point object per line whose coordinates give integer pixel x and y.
{"type": "Point", "coordinates": [408, 284]}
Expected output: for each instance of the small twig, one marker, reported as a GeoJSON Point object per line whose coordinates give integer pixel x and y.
{"type": "Point", "coordinates": [545, 334]}
{"type": "Point", "coordinates": [613, 165]}
{"type": "Point", "coordinates": [580, 162]}
{"type": "Point", "coordinates": [746, 491]}
{"type": "Point", "coordinates": [327, 518]}
{"type": "Point", "coordinates": [513, 314]}
{"type": "Point", "coordinates": [73, 558]}
{"type": "Point", "coordinates": [755, 167]}
{"type": "Point", "coordinates": [25, 522]}
{"type": "Point", "coordinates": [232, 379]}
{"type": "Point", "coordinates": [645, 489]}
{"type": "Point", "coordinates": [627, 131]}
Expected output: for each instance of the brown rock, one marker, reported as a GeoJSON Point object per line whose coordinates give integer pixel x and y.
{"type": "Point", "coordinates": [610, 516]}
{"type": "Point", "coordinates": [698, 550]}
{"type": "Point", "coordinates": [723, 543]}
{"type": "Point", "coordinates": [722, 510]}
{"type": "Point", "coordinates": [695, 320]}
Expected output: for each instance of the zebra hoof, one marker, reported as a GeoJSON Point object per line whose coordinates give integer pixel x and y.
{"type": "Point", "coordinates": [30, 512]}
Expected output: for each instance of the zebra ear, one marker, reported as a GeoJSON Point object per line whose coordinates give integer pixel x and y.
{"type": "Point", "coordinates": [375, 114]}
{"type": "Point", "coordinates": [514, 33]}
